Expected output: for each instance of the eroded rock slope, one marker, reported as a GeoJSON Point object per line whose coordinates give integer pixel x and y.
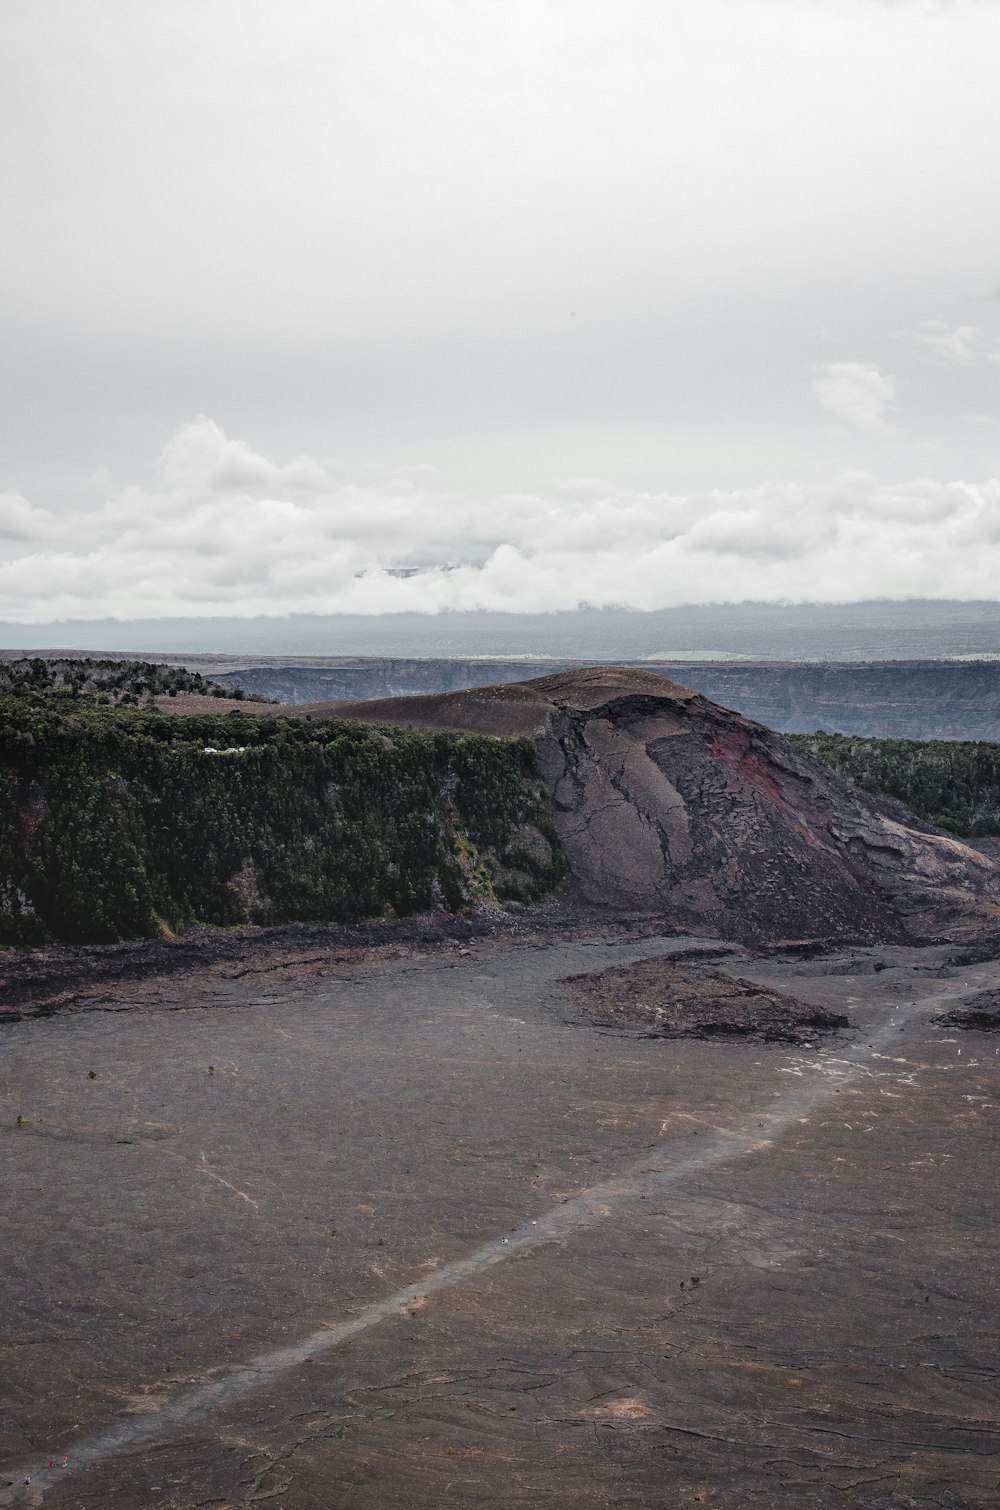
{"type": "Point", "coordinates": [668, 804]}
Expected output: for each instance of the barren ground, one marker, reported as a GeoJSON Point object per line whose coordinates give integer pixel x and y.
{"type": "Point", "coordinates": [420, 1234]}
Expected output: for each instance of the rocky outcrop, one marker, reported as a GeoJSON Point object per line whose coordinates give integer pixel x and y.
{"type": "Point", "coordinates": [667, 804]}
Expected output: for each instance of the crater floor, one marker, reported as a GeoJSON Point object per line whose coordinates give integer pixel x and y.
{"type": "Point", "coordinates": [422, 1235]}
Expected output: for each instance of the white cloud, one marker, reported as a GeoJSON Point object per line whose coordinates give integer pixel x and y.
{"type": "Point", "coordinates": [859, 393]}
{"type": "Point", "coordinates": [962, 345]}
{"type": "Point", "coordinates": [223, 530]}
{"type": "Point", "coordinates": [19, 520]}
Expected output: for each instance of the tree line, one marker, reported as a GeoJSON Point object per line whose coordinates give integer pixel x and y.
{"type": "Point", "coordinates": [106, 683]}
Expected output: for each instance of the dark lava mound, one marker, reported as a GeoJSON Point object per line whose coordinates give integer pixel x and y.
{"type": "Point", "coordinates": [981, 1013]}
{"type": "Point", "coordinates": [671, 806]}
{"type": "Point", "coordinates": [660, 999]}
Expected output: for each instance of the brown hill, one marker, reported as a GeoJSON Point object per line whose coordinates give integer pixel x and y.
{"type": "Point", "coordinates": [668, 804]}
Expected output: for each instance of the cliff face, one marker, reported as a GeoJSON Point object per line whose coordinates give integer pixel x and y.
{"type": "Point", "coordinates": [667, 804]}
{"type": "Point", "coordinates": [892, 700]}
{"type": "Point", "coordinates": [897, 699]}
{"type": "Point", "coordinates": [362, 679]}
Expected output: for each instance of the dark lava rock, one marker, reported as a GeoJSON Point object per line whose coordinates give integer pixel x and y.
{"type": "Point", "coordinates": [981, 1013]}
{"type": "Point", "coordinates": [73, 978]}
{"type": "Point", "coordinates": [659, 999]}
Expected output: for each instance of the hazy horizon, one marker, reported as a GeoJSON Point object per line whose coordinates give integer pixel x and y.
{"type": "Point", "coordinates": [875, 630]}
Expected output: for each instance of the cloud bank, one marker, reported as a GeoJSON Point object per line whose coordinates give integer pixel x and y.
{"type": "Point", "coordinates": [223, 530]}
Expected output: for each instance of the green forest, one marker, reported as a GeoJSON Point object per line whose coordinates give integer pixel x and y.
{"type": "Point", "coordinates": [106, 683]}
{"type": "Point", "coordinates": [128, 822]}
{"type": "Point", "coordinates": [952, 783]}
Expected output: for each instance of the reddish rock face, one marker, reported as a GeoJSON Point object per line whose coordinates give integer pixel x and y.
{"type": "Point", "coordinates": [667, 804]}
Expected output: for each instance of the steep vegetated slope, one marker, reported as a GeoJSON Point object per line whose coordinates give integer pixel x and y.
{"type": "Point", "coordinates": [116, 823]}
{"type": "Point", "coordinates": [953, 783]}
{"type": "Point", "coordinates": [667, 804]}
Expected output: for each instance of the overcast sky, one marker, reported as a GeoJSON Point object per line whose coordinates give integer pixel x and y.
{"type": "Point", "coordinates": [553, 301]}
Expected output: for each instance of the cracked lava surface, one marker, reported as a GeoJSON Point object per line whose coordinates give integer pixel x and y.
{"type": "Point", "coordinates": [424, 1236]}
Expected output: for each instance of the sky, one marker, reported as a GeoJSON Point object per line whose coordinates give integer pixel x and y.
{"type": "Point", "coordinates": [511, 305]}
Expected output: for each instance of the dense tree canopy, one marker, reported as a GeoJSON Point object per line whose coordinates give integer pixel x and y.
{"type": "Point", "coordinates": [121, 823]}
{"type": "Point", "coordinates": [952, 783]}
{"type": "Point", "coordinates": [105, 682]}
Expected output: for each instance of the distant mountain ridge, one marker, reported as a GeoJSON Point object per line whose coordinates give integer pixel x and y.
{"type": "Point", "coordinates": [913, 629]}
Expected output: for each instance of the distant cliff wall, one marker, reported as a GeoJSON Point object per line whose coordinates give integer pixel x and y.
{"type": "Point", "coordinates": [892, 699]}
{"type": "Point", "coordinates": [364, 680]}
{"type": "Point", "coordinates": [888, 700]}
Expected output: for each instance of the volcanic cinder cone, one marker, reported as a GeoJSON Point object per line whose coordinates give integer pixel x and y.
{"type": "Point", "coordinates": [667, 804]}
